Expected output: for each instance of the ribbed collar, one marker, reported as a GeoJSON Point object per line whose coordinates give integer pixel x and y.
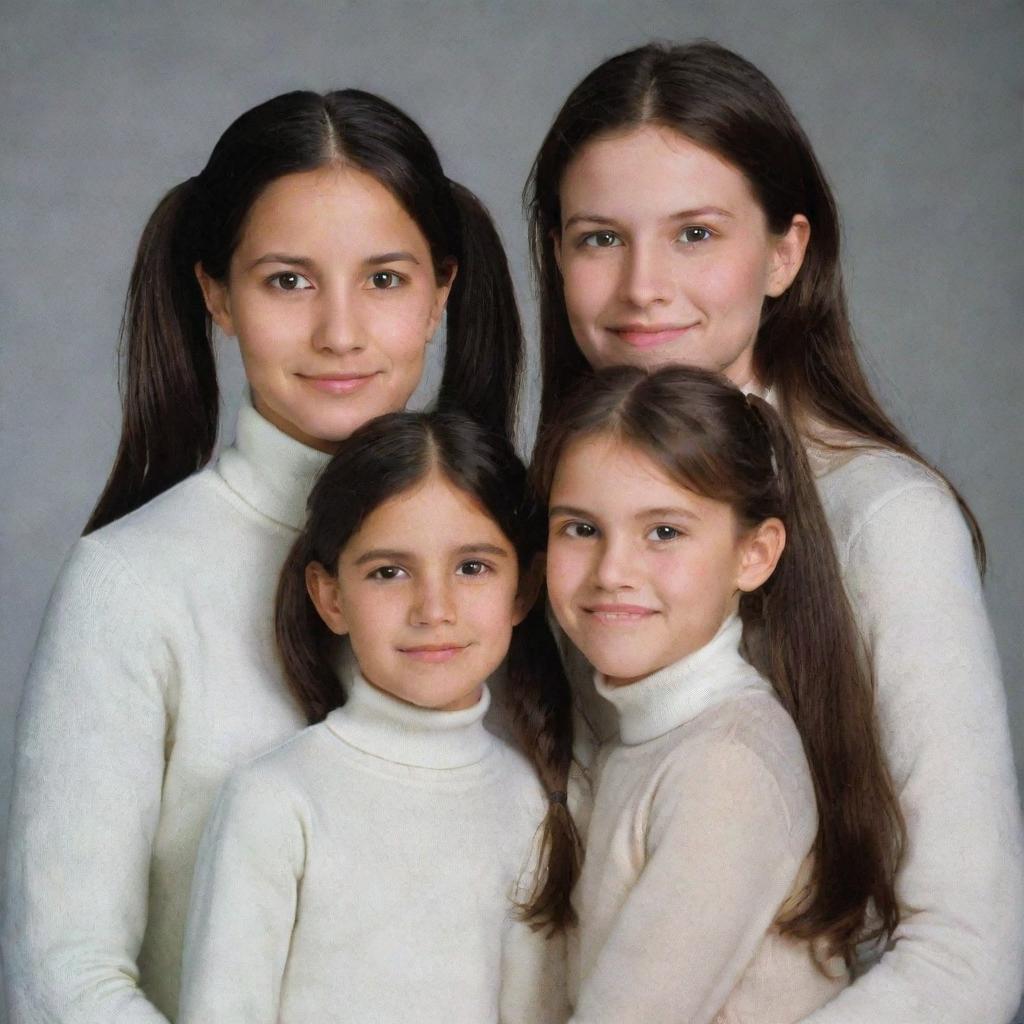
{"type": "Point", "coordinates": [651, 707]}
{"type": "Point", "coordinates": [269, 470]}
{"type": "Point", "coordinates": [379, 724]}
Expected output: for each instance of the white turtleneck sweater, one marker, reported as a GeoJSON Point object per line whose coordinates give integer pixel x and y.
{"type": "Point", "coordinates": [906, 560]}
{"type": "Point", "coordinates": [701, 832]}
{"type": "Point", "coordinates": [365, 871]}
{"type": "Point", "coordinates": [154, 676]}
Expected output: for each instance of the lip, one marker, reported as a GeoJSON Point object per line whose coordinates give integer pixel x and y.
{"type": "Point", "coordinates": [616, 614]}
{"type": "Point", "coordinates": [433, 653]}
{"type": "Point", "coordinates": [650, 335]}
{"type": "Point", "coordinates": [337, 383]}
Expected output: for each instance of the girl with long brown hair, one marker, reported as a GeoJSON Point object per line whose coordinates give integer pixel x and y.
{"type": "Point", "coordinates": [679, 216]}
{"type": "Point", "coordinates": [745, 834]}
{"type": "Point", "coordinates": [368, 868]}
{"type": "Point", "coordinates": [324, 236]}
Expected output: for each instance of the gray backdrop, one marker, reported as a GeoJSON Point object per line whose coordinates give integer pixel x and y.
{"type": "Point", "coordinates": [914, 108]}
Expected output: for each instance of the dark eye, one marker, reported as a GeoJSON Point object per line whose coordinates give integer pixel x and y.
{"type": "Point", "coordinates": [384, 279]}
{"type": "Point", "coordinates": [387, 572]}
{"type": "Point", "coordinates": [663, 533]}
{"type": "Point", "coordinates": [694, 234]}
{"type": "Point", "coordinates": [289, 281]}
{"type": "Point", "coordinates": [472, 568]}
{"type": "Point", "coordinates": [581, 530]}
{"type": "Point", "coordinates": [601, 239]}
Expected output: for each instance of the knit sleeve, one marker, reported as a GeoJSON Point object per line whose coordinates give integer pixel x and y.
{"type": "Point", "coordinates": [959, 950]}
{"type": "Point", "coordinates": [88, 776]}
{"type": "Point", "coordinates": [244, 903]}
{"type": "Point", "coordinates": [723, 849]}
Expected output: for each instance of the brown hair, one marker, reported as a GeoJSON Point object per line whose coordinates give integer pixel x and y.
{"type": "Point", "coordinates": [805, 347]}
{"type": "Point", "coordinates": [169, 376]}
{"type": "Point", "coordinates": [798, 629]}
{"type": "Point", "coordinates": [385, 458]}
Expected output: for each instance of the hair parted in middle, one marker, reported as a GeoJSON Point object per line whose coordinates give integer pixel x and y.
{"type": "Point", "coordinates": [798, 629]}
{"type": "Point", "coordinates": [382, 460]}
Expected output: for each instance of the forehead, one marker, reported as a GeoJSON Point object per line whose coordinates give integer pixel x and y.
{"type": "Point", "coordinates": [433, 515]}
{"type": "Point", "coordinates": [333, 208]}
{"type": "Point", "coordinates": [651, 170]}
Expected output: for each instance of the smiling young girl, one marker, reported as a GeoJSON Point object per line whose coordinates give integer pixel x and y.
{"type": "Point", "coordinates": [369, 869]}
{"type": "Point", "coordinates": [322, 234]}
{"type": "Point", "coordinates": [744, 826]}
{"type": "Point", "coordinates": [679, 215]}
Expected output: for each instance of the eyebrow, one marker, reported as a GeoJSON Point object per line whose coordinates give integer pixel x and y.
{"type": "Point", "coordinates": [695, 214]}
{"type": "Point", "coordinates": [304, 261]}
{"type": "Point", "coordinates": [647, 513]}
{"type": "Point", "coordinates": [391, 554]}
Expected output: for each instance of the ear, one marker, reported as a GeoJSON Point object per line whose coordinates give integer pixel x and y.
{"type": "Point", "coordinates": [530, 582]}
{"type": "Point", "coordinates": [218, 305]}
{"type": "Point", "coordinates": [761, 549]}
{"type": "Point", "coordinates": [556, 247]}
{"type": "Point", "coordinates": [443, 290]}
{"type": "Point", "coordinates": [322, 588]}
{"type": "Point", "coordinates": [788, 255]}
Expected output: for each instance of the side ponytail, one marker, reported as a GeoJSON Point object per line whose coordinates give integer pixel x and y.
{"type": "Point", "coordinates": [168, 376]}
{"type": "Point", "coordinates": [800, 632]}
{"type": "Point", "coordinates": [484, 346]}
{"type": "Point", "coordinates": [539, 698]}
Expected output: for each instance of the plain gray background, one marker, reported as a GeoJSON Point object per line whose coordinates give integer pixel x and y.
{"type": "Point", "coordinates": [915, 110]}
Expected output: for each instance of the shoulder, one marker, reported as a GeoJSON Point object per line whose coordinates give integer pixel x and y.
{"type": "Point", "coordinates": [877, 496]}
{"type": "Point", "coordinates": [746, 752]}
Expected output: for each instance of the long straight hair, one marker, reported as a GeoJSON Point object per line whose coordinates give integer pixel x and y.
{"type": "Point", "coordinates": [382, 460]}
{"type": "Point", "coordinates": [805, 347]}
{"type": "Point", "coordinates": [168, 375]}
{"type": "Point", "coordinates": [798, 628]}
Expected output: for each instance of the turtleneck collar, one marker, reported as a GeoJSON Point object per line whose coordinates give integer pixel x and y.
{"type": "Point", "coordinates": [663, 701]}
{"type": "Point", "coordinates": [377, 723]}
{"type": "Point", "coordinates": [269, 470]}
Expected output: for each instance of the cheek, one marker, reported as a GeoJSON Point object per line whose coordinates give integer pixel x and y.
{"type": "Point", "coordinates": [587, 284]}
{"type": "Point", "coordinates": [566, 570]}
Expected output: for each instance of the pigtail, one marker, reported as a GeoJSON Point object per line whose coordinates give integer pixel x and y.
{"type": "Point", "coordinates": [305, 643]}
{"type": "Point", "coordinates": [541, 705]}
{"type": "Point", "coordinates": [484, 339]}
{"type": "Point", "coordinates": [800, 632]}
{"type": "Point", "coordinates": [168, 379]}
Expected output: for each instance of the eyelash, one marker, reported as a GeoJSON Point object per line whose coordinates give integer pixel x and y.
{"type": "Point", "coordinates": [400, 573]}
{"type": "Point", "coordinates": [276, 281]}
{"type": "Point", "coordinates": [572, 530]}
{"type": "Point", "coordinates": [396, 279]}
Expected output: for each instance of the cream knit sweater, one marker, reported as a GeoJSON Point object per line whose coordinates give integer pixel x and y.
{"type": "Point", "coordinates": [702, 828]}
{"type": "Point", "coordinates": [909, 570]}
{"type": "Point", "coordinates": [154, 676]}
{"type": "Point", "coordinates": [364, 871]}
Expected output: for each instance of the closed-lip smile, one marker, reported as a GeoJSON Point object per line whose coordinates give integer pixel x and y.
{"type": "Point", "coordinates": [433, 652]}
{"type": "Point", "coordinates": [337, 383]}
{"type": "Point", "coordinates": [649, 335]}
{"type": "Point", "coordinates": [626, 613]}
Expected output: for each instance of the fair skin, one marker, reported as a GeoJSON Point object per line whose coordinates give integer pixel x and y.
{"type": "Point", "coordinates": [643, 571]}
{"type": "Point", "coordinates": [666, 256]}
{"type": "Point", "coordinates": [333, 297]}
{"type": "Point", "coordinates": [427, 591]}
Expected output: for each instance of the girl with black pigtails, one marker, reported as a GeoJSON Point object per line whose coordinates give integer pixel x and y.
{"type": "Point", "coordinates": [745, 834]}
{"type": "Point", "coordinates": [367, 869]}
{"type": "Point", "coordinates": [325, 237]}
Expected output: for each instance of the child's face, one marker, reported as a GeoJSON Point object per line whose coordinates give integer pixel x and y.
{"type": "Point", "coordinates": [666, 256]}
{"type": "Point", "coordinates": [641, 571]}
{"type": "Point", "coordinates": [332, 295]}
{"type": "Point", "coordinates": [426, 591]}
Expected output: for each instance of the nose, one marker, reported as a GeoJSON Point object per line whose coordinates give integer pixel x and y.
{"type": "Point", "coordinates": [433, 603]}
{"type": "Point", "coordinates": [614, 568]}
{"type": "Point", "coordinates": [646, 275]}
{"type": "Point", "coordinates": [337, 327]}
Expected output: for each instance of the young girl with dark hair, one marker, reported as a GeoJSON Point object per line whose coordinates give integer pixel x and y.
{"type": "Point", "coordinates": [367, 869]}
{"type": "Point", "coordinates": [679, 215]}
{"type": "Point", "coordinates": [744, 828]}
{"type": "Point", "coordinates": [324, 236]}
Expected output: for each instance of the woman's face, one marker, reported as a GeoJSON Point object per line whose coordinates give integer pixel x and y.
{"type": "Point", "coordinates": [666, 256]}
{"type": "Point", "coordinates": [332, 296]}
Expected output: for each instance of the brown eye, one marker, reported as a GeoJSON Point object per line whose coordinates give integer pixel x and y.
{"type": "Point", "coordinates": [384, 279]}
{"type": "Point", "coordinates": [289, 281]}
{"type": "Point", "coordinates": [694, 233]}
